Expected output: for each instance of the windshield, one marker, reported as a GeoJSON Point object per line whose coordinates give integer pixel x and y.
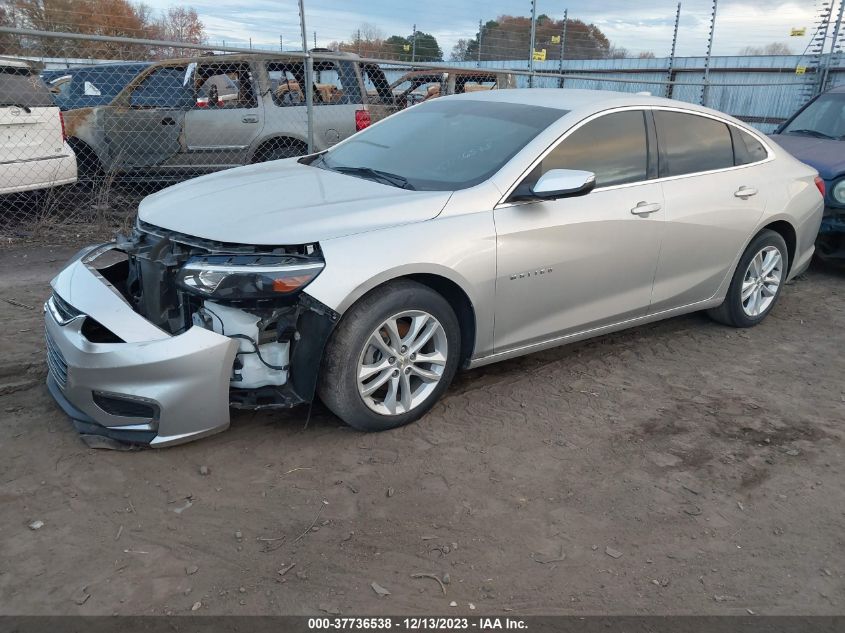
{"type": "Point", "coordinates": [442, 145]}
{"type": "Point", "coordinates": [824, 118]}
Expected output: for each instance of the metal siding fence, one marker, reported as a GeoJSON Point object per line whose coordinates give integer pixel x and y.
{"type": "Point", "coordinates": [183, 124]}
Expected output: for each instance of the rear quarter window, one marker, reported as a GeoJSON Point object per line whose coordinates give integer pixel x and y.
{"type": "Point", "coordinates": [747, 149]}
{"type": "Point", "coordinates": [19, 86]}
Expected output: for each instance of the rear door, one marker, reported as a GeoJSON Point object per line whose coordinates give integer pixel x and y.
{"type": "Point", "coordinates": [147, 133]}
{"type": "Point", "coordinates": [30, 128]}
{"type": "Point", "coordinates": [715, 196]}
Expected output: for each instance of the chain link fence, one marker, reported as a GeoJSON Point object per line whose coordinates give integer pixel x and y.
{"type": "Point", "coordinates": [91, 125]}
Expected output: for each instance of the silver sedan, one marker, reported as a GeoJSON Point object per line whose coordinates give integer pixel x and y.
{"type": "Point", "coordinates": [460, 232]}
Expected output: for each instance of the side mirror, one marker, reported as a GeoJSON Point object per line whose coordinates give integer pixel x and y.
{"type": "Point", "coordinates": [563, 183]}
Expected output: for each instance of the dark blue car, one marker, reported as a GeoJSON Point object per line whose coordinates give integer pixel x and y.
{"type": "Point", "coordinates": [816, 135]}
{"type": "Point", "coordinates": [90, 86]}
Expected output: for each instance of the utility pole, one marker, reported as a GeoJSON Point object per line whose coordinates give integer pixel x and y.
{"type": "Point", "coordinates": [705, 88]}
{"type": "Point", "coordinates": [533, 42]}
{"type": "Point", "coordinates": [309, 73]}
{"type": "Point", "coordinates": [478, 63]}
{"type": "Point", "coordinates": [315, 39]}
{"type": "Point", "coordinates": [670, 72]}
{"type": "Point", "coordinates": [562, 46]}
{"type": "Point", "coordinates": [281, 43]}
{"type": "Point", "coordinates": [359, 41]}
{"type": "Point", "coordinates": [414, 45]}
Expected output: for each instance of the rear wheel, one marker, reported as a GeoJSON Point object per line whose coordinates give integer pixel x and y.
{"type": "Point", "coordinates": [392, 356]}
{"type": "Point", "coordinates": [757, 282]}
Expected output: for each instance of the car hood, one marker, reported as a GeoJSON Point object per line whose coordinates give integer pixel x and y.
{"type": "Point", "coordinates": [285, 202]}
{"type": "Point", "coordinates": [826, 156]}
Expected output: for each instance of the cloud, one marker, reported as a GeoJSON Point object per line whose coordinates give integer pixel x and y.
{"type": "Point", "coordinates": [638, 26]}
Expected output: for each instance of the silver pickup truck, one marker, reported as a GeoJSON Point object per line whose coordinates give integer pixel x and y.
{"type": "Point", "coordinates": [190, 116]}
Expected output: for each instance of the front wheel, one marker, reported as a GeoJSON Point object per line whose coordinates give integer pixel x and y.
{"type": "Point", "coordinates": [391, 358]}
{"type": "Point", "coordinates": [757, 282]}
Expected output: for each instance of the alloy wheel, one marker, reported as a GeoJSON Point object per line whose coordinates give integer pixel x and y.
{"type": "Point", "coordinates": [762, 281]}
{"type": "Point", "coordinates": [402, 362]}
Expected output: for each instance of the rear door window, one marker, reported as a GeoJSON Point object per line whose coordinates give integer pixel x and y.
{"type": "Point", "coordinates": [690, 143]}
{"type": "Point", "coordinates": [20, 87]}
{"type": "Point", "coordinates": [335, 83]}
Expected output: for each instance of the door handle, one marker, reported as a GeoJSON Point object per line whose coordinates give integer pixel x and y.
{"type": "Point", "coordinates": [745, 192]}
{"type": "Point", "coordinates": [168, 121]}
{"type": "Point", "coordinates": [250, 118]}
{"type": "Point", "coordinates": [646, 208]}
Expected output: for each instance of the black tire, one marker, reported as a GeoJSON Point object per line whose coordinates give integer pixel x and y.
{"type": "Point", "coordinates": [338, 385]}
{"type": "Point", "coordinates": [731, 311]}
{"type": "Point", "coordinates": [88, 166]}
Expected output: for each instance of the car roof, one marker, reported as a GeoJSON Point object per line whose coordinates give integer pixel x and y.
{"type": "Point", "coordinates": [838, 89]}
{"type": "Point", "coordinates": [574, 99]}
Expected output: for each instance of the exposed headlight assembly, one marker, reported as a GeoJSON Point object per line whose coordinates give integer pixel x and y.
{"type": "Point", "coordinates": [238, 277]}
{"type": "Point", "coordinates": [837, 192]}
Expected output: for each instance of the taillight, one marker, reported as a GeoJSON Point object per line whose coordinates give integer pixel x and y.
{"type": "Point", "coordinates": [362, 120]}
{"type": "Point", "coordinates": [62, 121]}
{"type": "Point", "coordinates": [820, 185]}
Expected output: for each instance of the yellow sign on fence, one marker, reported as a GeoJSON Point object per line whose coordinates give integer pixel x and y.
{"type": "Point", "coordinates": [540, 56]}
{"type": "Point", "coordinates": [406, 47]}
{"type": "Point", "coordinates": [800, 32]}
{"type": "Point", "coordinates": [555, 39]}
{"type": "Point", "coordinates": [800, 70]}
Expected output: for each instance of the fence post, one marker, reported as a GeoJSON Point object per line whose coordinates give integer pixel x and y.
{"type": "Point", "coordinates": [533, 43]}
{"type": "Point", "coordinates": [478, 63]}
{"type": "Point", "coordinates": [309, 78]}
{"type": "Point", "coordinates": [414, 45]}
{"type": "Point", "coordinates": [670, 73]}
{"type": "Point", "coordinates": [705, 88]}
{"type": "Point", "coordinates": [562, 46]}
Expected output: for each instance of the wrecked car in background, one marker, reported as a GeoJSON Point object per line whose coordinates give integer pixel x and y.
{"type": "Point", "coordinates": [191, 116]}
{"type": "Point", "coordinates": [420, 85]}
{"type": "Point", "coordinates": [368, 274]}
{"type": "Point", "coordinates": [816, 135]}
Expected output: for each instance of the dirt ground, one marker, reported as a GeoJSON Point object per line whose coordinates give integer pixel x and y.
{"type": "Point", "coordinates": [681, 467]}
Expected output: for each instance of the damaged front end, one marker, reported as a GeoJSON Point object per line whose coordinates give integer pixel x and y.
{"type": "Point", "coordinates": [151, 339]}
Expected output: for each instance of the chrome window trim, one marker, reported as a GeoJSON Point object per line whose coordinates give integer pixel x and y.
{"type": "Point", "coordinates": [770, 155]}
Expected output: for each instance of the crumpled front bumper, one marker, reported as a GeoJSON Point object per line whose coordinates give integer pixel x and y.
{"type": "Point", "coordinates": [153, 389]}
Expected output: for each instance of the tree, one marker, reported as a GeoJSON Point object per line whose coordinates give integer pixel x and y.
{"type": "Point", "coordinates": [115, 18]}
{"type": "Point", "coordinates": [427, 48]}
{"type": "Point", "coordinates": [180, 24]}
{"type": "Point", "coordinates": [775, 48]}
{"type": "Point", "coordinates": [509, 37]}
{"type": "Point", "coordinates": [459, 51]}
{"type": "Point", "coordinates": [645, 55]}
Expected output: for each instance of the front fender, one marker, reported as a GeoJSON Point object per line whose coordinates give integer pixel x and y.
{"type": "Point", "coordinates": [460, 248]}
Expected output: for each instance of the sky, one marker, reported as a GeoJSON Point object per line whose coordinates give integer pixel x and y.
{"type": "Point", "coordinates": [637, 25]}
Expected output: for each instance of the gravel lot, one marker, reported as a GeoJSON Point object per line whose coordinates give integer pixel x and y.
{"type": "Point", "coordinates": [681, 467]}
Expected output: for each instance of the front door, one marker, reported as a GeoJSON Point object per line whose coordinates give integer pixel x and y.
{"type": "Point", "coordinates": [146, 134]}
{"type": "Point", "coordinates": [578, 263]}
